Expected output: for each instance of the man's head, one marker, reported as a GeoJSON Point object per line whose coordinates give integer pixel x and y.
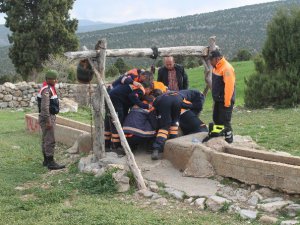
{"type": "Point", "coordinates": [214, 57]}
{"type": "Point", "coordinates": [147, 86]}
{"type": "Point", "coordinates": [169, 62]}
{"type": "Point", "coordinates": [51, 77]}
{"type": "Point", "coordinates": [156, 92]}
{"type": "Point", "coordinates": [145, 76]}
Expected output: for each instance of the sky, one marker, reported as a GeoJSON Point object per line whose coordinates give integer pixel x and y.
{"type": "Point", "coordinates": [118, 11]}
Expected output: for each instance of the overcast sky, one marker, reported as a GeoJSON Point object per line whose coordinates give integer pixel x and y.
{"type": "Point", "coordinates": [116, 11]}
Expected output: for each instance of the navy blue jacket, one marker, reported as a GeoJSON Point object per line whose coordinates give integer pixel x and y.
{"type": "Point", "coordinates": [127, 96]}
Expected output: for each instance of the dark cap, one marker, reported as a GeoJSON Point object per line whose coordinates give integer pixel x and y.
{"type": "Point", "coordinates": [51, 74]}
{"type": "Point", "coordinates": [214, 54]}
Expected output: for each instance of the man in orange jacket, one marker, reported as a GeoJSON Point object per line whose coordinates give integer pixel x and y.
{"type": "Point", "coordinates": [223, 92]}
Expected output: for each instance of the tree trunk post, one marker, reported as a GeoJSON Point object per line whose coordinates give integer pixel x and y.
{"type": "Point", "coordinates": [207, 66]}
{"type": "Point", "coordinates": [130, 157]}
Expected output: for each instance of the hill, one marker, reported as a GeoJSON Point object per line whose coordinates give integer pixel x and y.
{"type": "Point", "coordinates": [237, 28]}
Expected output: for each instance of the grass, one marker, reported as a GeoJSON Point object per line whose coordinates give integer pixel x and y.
{"type": "Point", "coordinates": [69, 197]}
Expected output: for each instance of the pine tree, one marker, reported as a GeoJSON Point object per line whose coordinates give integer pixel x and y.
{"type": "Point", "coordinates": [39, 28]}
{"type": "Point", "coordinates": [277, 81]}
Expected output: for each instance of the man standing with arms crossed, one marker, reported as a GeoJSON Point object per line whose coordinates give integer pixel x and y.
{"type": "Point", "coordinates": [223, 92]}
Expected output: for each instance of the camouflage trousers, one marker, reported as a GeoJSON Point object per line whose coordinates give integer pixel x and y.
{"type": "Point", "coordinates": [48, 138]}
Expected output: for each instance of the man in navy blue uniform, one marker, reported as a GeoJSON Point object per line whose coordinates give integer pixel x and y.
{"type": "Point", "coordinates": [123, 97]}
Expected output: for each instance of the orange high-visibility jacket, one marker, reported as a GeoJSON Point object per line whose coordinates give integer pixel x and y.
{"type": "Point", "coordinates": [223, 83]}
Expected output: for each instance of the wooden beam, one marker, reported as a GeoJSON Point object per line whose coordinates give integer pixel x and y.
{"type": "Point", "coordinates": [130, 157]}
{"type": "Point", "coordinates": [142, 52]}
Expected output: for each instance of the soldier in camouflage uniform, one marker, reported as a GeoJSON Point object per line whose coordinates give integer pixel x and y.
{"type": "Point", "coordinates": [48, 108]}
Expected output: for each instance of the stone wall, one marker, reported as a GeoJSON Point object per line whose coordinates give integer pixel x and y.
{"type": "Point", "coordinates": [24, 94]}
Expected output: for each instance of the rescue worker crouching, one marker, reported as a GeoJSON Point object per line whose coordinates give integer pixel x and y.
{"type": "Point", "coordinates": [48, 105]}
{"type": "Point", "coordinates": [167, 107]}
{"type": "Point", "coordinates": [140, 125]}
{"type": "Point", "coordinates": [123, 97]}
{"type": "Point", "coordinates": [223, 92]}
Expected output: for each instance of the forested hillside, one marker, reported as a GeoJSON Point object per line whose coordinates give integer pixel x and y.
{"type": "Point", "coordinates": [238, 28]}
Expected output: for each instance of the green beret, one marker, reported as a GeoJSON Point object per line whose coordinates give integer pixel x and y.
{"type": "Point", "coordinates": [51, 74]}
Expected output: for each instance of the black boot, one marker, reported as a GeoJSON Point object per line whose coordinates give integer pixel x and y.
{"type": "Point", "coordinates": [52, 165]}
{"type": "Point", "coordinates": [45, 160]}
{"type": "Point", "coordinates": [228, 136]}
{"type": "Point", "coordinates": [156, 154]}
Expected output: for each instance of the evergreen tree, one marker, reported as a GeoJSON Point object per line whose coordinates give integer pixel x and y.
{"type": "Point", "coordinates": [121, 65]}
{"type": "Point", "coordinates": [277, 81]}
{"type": "Point", "coordinates": [39, 28]}
{"type": "Point", "coordinates": [242, 55]}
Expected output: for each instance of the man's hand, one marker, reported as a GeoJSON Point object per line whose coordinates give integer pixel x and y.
{"type": "Point", "coordinates": [137, 84]}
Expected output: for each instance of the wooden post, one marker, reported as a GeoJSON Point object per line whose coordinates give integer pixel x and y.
{"type": "Point", "coordinates": [101, 59]}
{"type": "Point", "coordinates": [130, 157]}
{"type": "Point", "coordinates": [98, 102]}
{"type": "Point", "coordinates": [207, 66]}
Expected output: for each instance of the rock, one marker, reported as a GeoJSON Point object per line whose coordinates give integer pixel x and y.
{"type": "Point", "coordinates": [259, 196]}
{"type": "Point", "coordinates": [155, 196]}
{"type": "Point", "coordinates": [7, 98]}
{"type": "Point", "coordinates": [266, 192]}
{"type": "Point", "coordinates": [234, 209]}
{"type": "Point", "coordinates": [199, 165]}
{"type": "Point", "coordinates": [17, 93]}
{"type": "Point", "coordinates": [268, 219]}
{"type": "Point", "coordinates": [24, 104]}
{"type": "Point", "coordinates": [200, 203]}
{"type": "Point", "coordinates": [32, 99]}
{"type": "Point", "coordinates": [161, 201]}
{"type": "Point", "coordinates": [253, 200]}
{"type": "Point", "coordinates": [248, 214]}
{"type": "Point", "coordinates": [9, 85]}
{"type": "Point", "coordinates": [31, 90]}
{"type": "Point", "coordinates": [122, 180]}
{"type": "Point", "coordinates": [99, 172]}
{"type": "Point", "coordinates": [153, 187]}
{"type": "Point", "coordinates": [3, 104]}
{"type": "Point", "coordinates": [1, 96]}
{"type": "Point", "coordinates": [175, 193]}
{"type": "Point", "coordinates": [292, 210]}
{"type": "Point", "coordinates": [112, 158]}
{"type": "Point", "coordinates": [85, 161]}
{"type": "Point", "coordinates": [289, 222]}
{"type": "Point", "coordinates": [215, 203]}
{"type": "Point", "coordinates": [236, 195]}
{"type": "Point", "coordinates": [146, 193]}
{"type": "Point", "coordinates": [115, 166]}
{"type": "Point", "coordinates": [68, 105]}
{"type": "Point", "coordinates": [218, 144]}
{"type": "Point", "coordinates": [268, 200]}
{"type": "Point", "coordinates": [253, 187]}
{"type": "Point", "coordinates": [273, 206]}
{"type": "Point", "coordinates": [82, 144]}
{"type": "Point", "coordinates": [189, 200]}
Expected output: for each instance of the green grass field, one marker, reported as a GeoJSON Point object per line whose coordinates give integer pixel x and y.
{"type": "Point", "coordinates": [29, 194]}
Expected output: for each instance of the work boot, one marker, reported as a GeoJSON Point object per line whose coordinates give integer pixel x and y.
{"type": "Point", "coordinates": [228, 136]}
{"type": "Point", "coordinates": [156, 154]}
{"type": "Point", "coordinates": [45, 160]}
{"type": "Point", "coordinates": [52, 165]}
{"type": "Point", "coordinates": [120, 151]}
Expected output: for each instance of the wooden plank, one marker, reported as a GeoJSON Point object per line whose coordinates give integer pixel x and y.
{"type": "Point", "coordinates": [142, 52]}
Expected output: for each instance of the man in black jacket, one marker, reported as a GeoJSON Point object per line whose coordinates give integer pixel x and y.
{"type": "Point", "coordinates": [173, 75]}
